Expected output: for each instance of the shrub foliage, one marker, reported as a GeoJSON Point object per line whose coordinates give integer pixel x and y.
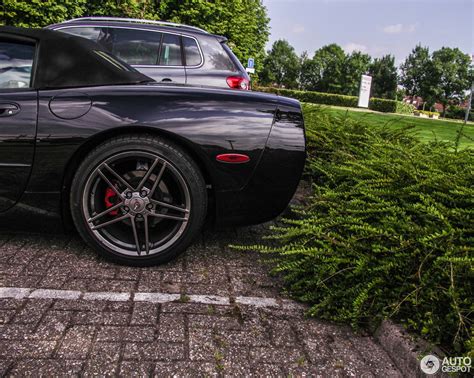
{"type": "Point", "coordinates": [313, 97]}
{"type": "Point", "coordinates": [390, 106]}
{"type": "Point", "coordinates": [388, 231]}
{"type": "Point", "coordinates": [377, 104]}
{"type": "Point", "coordinates": [456, 112]}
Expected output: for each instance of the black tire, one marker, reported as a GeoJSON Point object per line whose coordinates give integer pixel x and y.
{"type": "Point", "coordinates": [177, 177]}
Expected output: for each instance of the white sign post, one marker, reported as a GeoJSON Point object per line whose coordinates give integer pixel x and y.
{"type": "Point", "coordinates": [468, 108]}
{"type": "Point", "coordinates": [364, 91]}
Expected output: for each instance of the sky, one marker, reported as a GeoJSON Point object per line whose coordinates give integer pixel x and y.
{"type": "Point", "coordinates": [376, 27]}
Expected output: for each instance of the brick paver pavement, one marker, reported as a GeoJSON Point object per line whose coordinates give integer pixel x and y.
{"type": "Point", "coordinates": [224, 316]}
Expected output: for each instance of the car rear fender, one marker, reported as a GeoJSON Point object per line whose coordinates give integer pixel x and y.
{"type": "Point", "coordinates": [210, 122]}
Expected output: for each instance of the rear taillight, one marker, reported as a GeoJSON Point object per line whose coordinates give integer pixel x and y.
{"type": "Point", "coordinates": [238, 82]}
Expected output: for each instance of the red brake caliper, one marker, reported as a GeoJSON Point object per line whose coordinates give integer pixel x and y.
{"type": "Point", "coordinates": [109, 200]}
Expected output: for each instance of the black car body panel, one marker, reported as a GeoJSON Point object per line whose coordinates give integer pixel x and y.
{"type": "Point", "coordinates": [17, 146]}
{"type": "Point", "coordinates": [38, 159]}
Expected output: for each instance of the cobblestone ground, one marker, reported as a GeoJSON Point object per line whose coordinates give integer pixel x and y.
{"type": "Point", "coordinates": [225, 316]}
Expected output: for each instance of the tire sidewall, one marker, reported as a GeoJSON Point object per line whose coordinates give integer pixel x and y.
{"type": "Point", "coordinates": [170, 153]}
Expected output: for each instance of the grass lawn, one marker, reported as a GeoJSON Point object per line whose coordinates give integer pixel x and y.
{"type": "Point", "coordinates": [426, 129]}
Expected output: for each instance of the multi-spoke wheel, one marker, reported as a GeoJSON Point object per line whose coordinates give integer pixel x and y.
{"type": "Point", "coordinates": [138, 200]}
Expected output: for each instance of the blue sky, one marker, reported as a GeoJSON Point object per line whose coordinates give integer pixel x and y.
{"type": "Point", "coordinates": [377, 27]}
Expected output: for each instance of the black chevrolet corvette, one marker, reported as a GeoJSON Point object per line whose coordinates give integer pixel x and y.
{"type": "Point", "coordinates": [88, 142]}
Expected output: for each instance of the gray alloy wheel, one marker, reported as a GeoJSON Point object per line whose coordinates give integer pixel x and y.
{"type": "Point", "coordinates": [139, 200]}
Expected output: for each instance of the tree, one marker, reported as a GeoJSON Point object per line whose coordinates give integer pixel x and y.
{"type": "Point", "coordinates": [39, 13]}
{"type": "Point", "coordinates": [451, 72]}
{"type": "Point", "coordinates": [384, 77]}
{"type": "Point", "coordinates": [414, 72]}
{"type": "Point", "coordinates": [355, 65]}
{"type": "Point", "coordinates": [302, 61]}
{"type": "Point", "coordinates": [429, 87]}
{"type": "Point", "coordinates": [145, 9]}
{"type": "Point", "coordinates": [328, 66]}
{"type": "Point", "coordinates": [309, 74]}
{"type": "Point", "coordinates": [244, 22]}
{"type": "Point", "coordinates": [281, 66]}
{"type": "Point", "coordinates": [400, 93]}
{"type": "Point", "coordinates": [331, 70]}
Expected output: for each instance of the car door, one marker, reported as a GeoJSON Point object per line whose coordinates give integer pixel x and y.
{"type": "Point", "coordinates": [18, 113]}
{"type": "Point", "coordinates": [156, 54]}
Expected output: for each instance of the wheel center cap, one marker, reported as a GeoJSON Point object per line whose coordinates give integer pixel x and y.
{"type": "Point", "coordinates": [136, 203]}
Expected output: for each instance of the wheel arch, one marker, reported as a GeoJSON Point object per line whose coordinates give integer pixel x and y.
{"type": "Point", "coordinates": [101, 137]}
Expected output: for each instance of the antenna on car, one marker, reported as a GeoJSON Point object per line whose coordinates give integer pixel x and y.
{"type": "Point", "coordinates": [138, 21]}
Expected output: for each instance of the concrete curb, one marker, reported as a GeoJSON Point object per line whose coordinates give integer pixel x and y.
{"type": "Point", "coordinates": [404, 350]}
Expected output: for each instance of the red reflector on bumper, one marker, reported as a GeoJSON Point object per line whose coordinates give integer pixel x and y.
{"type": "Point", "coordinates": [233, 158]}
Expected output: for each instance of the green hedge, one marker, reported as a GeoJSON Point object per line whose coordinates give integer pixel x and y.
{"type": "Point", "coordinates": [315, 97]}
{"type": "Point", "coordinates": [390, 106]}
{"type": "Point", "coordinates": [456, 112]}
{"type": "Point", "coordinates": [387, 233]}
{"type": "Point", "coordinates": [377, 104]}
{"type": "Point", "coordinates": [404, 108]}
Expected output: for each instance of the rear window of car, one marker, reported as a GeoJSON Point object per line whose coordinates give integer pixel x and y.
{"type": "Point", "coordinates": [16, 63]}
{"type": "Point", "coordinates": [170, 51]}
{"type": "Point", "coordinates": [143, 47]}
{"type": "Point", "coordinates": [191, 52]}
{"type": "Point", "coordinates": [84, 32]}
{"type": "Point", "coordinates": [113, 61]}
{"type": "Point", "coordinates": [232, 56]}
{"type": "Point", "coordinates": [215, 56]}
{"type": "Point", "coordinates": [138, 47]}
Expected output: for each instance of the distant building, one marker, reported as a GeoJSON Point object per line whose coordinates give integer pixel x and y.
{"type": "Point", "coordinates": [416, 101]}
{"type": "Point", "coordinates": [438, 107]}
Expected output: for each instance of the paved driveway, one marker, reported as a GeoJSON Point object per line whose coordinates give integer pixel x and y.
{"type": "Point", "coordinates": [213, 311]}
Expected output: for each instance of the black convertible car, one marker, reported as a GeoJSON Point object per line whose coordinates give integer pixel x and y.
{"type": "Point", "coordinates": [135, 166]}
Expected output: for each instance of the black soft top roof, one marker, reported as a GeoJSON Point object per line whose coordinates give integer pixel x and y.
{"type": "Point", "coordinates": [67, 61]}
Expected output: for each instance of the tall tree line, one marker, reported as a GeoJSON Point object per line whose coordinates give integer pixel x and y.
{"type": "Point", "coordinates": [442, 76]}
{"type": "Point", "coordinates": [330, 70]}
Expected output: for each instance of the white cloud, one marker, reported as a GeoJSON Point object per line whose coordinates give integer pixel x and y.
{"type": "Point", "coordinates": [399, 28]}
{"type": "Point", "coordinates": [351, 47]}
{"type": "Point", "coordinates": [411, 28]}
{"type": "Point", "coordinates": [298, 29]}
{"type": "Point", "coordinates": [393, 29]}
